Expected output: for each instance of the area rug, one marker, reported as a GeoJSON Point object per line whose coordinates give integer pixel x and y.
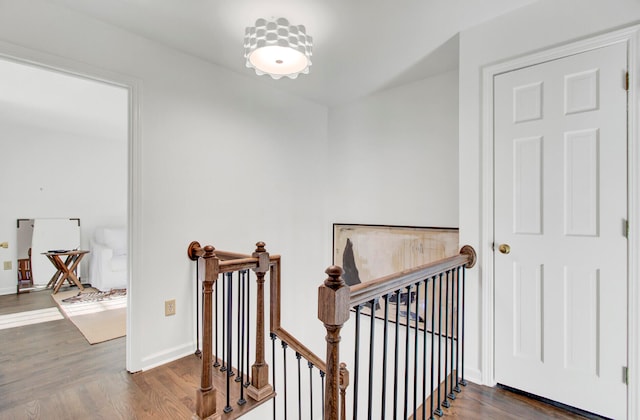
{"type": "Point", "coordinates": [20, 319]}
{"type": "Point", "coordinates": [100, 316]}
{"type": "Point", "coordinates": [91, 296]}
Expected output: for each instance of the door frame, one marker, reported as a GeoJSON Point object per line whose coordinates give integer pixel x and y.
{"type": "Point", "coordinates": [46, 61]}
{"type": "Point", "coordinates": [630, 36]}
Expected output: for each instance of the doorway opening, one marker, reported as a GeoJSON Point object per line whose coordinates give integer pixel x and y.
{"type": "Point", "coordinates": [69, 156]}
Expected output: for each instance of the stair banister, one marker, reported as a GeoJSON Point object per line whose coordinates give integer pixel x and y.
{"type": "Point", "coordinates": [260, 387]}
{"type": "Point", "coordinates": [333, 311]}
{"type": "Point", "coordinates": [217, 262]}
{"type": "Point", "coordinates": [335, 299]}
{"type": "Point", "coordinates": [206, 396]}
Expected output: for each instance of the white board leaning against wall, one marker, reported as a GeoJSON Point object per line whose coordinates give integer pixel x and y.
{"type": "Point", "coordinates": [46, 235]}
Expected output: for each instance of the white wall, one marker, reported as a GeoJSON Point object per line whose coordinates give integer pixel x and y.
{"type": "Point", "coordinates": [225, 160]}
{"type": "Point", "coordinates": [384, 166]}
{"type": "Point", "coordinates": [59, 174]}
{"type": "Point", "coordinates": [392, 156]}
{"type": "Point", "coordinates": [542, 25]}
{"type": "Point", "coordinates": [228, 161]}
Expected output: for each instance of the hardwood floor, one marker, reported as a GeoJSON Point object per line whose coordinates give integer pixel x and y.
{"type": "Point", "coordinates": [482, 402]}
{"type": "Point", "coordinates": [49, 371]}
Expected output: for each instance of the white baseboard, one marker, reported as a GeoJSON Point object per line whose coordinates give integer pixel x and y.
{"type": "Point", "coordinates": [474, 375]}
{"type": "Point", "coordinates": [166, 356]}
{"type": "Point", "coordinates": [8, 290]}
{"type": "Point", "coordinates": [14, 289]}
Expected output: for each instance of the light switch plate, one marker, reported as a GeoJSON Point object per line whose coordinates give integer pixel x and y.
{"type": "Point", "coordinates": [8, 265]}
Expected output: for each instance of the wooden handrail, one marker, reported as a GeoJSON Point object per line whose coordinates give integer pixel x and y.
{"type": "Point", "coordinates": [365, 292]}
{"type": "Point", "coordinates": [228, 255]}
{"type": "Point", "coordinates": [297, 346]}
{"type": "Point", "coordinates": [275, 320]}
{"type": "Point", "coordinates": [230, 266]}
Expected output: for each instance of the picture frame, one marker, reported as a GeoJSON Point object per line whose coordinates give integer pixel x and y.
{"type": "Point", "coordinates": [367, 252]}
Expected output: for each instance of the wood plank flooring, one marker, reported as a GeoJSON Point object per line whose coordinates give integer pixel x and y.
{"type": "Point", "coordinates": [49, 371]}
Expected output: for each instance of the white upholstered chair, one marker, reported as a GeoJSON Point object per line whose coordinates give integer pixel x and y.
{"type": "Point", "coordinates": [108, 265]}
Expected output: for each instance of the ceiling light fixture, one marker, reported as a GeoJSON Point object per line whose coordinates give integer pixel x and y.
{"type": "Point", "coordinates": [277, 48]}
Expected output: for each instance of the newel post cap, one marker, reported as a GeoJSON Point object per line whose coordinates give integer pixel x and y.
{"type": "Point", "coordinates": [263, 258]}
{"type": "Point", "coordinates": [333, 298]}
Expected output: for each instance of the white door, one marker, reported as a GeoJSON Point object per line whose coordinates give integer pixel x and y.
{"type": "Point", "coordinates": [561, 206]}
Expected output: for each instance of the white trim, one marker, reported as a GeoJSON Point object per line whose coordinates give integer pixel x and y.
{"type": "Point", "coordinates": [134, 222]}
{"type": "Point", "coordinates": [633, 354]}
{"type": "Point", "coordinates": [167, 356]}
{"type": "Point", "coordinates": [473, 375]}
{"type": "Point", "coordinates": [630, 37]}
{"type": "Point", "coordinates": [8, 290]}
{"type": "Point", "coordinates": [51, 62]}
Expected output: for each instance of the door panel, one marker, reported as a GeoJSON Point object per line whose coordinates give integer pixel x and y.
{"type": "Point", "coordinates": [560, 202]}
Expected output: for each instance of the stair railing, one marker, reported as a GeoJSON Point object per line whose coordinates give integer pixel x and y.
{"type": "Point", "coordinates": [336, 301]}
{"type": "Point", "coordinates": [432, 296]}
{"type": "Point", "coordinates": [220, 267]}
{"type": "Point", "coordinates": [226, 303]}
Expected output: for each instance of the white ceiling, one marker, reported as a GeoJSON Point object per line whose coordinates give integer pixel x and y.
{"type": "Point", "coordinates": [360, 47]}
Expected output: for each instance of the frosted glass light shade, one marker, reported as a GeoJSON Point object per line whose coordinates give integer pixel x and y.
{"type": "Point", "coordinates": [277, 48]}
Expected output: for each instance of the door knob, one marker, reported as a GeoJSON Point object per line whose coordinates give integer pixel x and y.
{"type": "Point", "coordinates": [504, 248]}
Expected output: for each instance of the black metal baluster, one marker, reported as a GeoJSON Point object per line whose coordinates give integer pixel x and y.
{"type": "Point", "coordinates": [457, 388]}
{"type": "Point", "coordinates": [242, 367]}
{"type": "Point", "coordinates": [228, 407]}
{"type": "Point", "coordinates": [284, 358]}
{"type": "Point", "coordinates": [384, 355]}
{"type": "Point", "coordinates": [310, 365]}
{"type": "Point", "coordinates": [415, 353]}
{"type": "Point", "coordinates": [439, 411]}
{"type": "Point", "coordinates": [356, 364]}
{"type": "Point", "coordinates": [374, 304]}
{"type": "Point", "coordinates": [199, 294]}
{"type": "Point", "coordinates": [239, 375]}
{"type": "Point", "coordinates": [230, 371]}
{"type": "Point", "coordinates": [216, 363]}
{"type": "Point", "coordinates": [396, 357]}
{"type": "Point", "coordinates": [433, 343]}
{"type": "Point", "coordinates": [424, 357]}
{"type": "Point", "coordinates": [322, 374]}
{"type": "Point", "coordinates": [454, 304]}
{"type": "Point", "coordinates": [464, 292]}
{"type": "Point", "coordinates": [248, 365]}
{"type": "Point", "coordinates": [223, 368]}
{"type": "Point", "coordinates": [445, 402]}
{"type": "Point", "coordinates": [406, 354]}
{"type": "Point", "coordinates": [273, 370]}
{"type": "Point", "coordinates": [298, 356]}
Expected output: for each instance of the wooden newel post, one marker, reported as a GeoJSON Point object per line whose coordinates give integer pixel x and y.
{"type": "Point", "coordinates": [206, 395]}
{"type": "Point", "coordinates": [344, 384]}
{"type": "Point", "coordinates": [260, 387]}
{"type": "Point", "coordinates": [333, 311]}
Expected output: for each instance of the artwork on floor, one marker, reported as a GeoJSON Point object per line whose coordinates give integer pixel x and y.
{"type": "Point", "coordinates": [368, 252]}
